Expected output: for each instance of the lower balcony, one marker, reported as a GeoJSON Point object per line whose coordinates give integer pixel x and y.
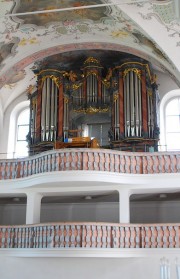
{"type": "Point", "coordinates": [90, 235]}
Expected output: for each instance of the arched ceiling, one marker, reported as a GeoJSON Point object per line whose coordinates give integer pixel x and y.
{"type": "Point", "coordinates": [31, 31]}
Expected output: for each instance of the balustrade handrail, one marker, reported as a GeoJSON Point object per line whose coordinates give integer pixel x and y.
{"type": "Point", "coordinates": [90, 235]}
{"type": "Point", "coordinates": [91, 159]}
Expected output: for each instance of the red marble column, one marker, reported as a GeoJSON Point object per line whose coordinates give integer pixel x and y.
{"type": "Point", "coordinates": [144, 104]}
{"type": "Point", "coordinates": [60, 111]}
{"type": "Point", "coordinates": [121, 104]}
{"type": "Point", "coordinates": [38, 115]}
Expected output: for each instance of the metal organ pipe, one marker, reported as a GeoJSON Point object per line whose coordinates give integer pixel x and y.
{"type": "Point", "coordinates": [152, 117]}
{"type": "Point", "coordinates": [117, 116]}
{"type": "Point", "coordinates": [47, 109]}
{"type": "Point", "coordinates": [34, 119]}
{"type": "Point", "coordinates": [131, 73]}
{"type": "Point", "coordinates": [93, 89]}
{"type": "Point", "coordinates": [132, 105]}
{"type": "Point", "coordinates": [103, 93]}
{"type": "Point", "coordinates": [88, 88]}
{"type": "Point", "coordinates": [136, 106]}
{"type": "Point", "coordinates": [66, 126]}
{"type": "Point", "coordinates": [128, 108]}
{"type": "Point", "coordinates": [55, 110]}
{"type": "Point", "coordinates": [140, 107]}
{"type": "Point", "coordinates": [125, 108]}
{"type": "Point", "coordinates": [52, 110]}
{"type": "Point", "coordinates": [149, 115]}
{"type": "Point", "coordinates": [43, 119]}
{"type": "Point", "coordinates": [115, 119]}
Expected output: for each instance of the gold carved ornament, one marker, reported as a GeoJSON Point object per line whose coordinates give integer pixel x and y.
{"type": "Point", "coordinates": [71, 75]}
{"type": "Point", "coordinates": [106, 83]}
{"type": "Point", "coordinates": [135, 70]}
{"type": "Point", "coordinates": [34, 102]}
{"type": "Point", "coordinates": [138, 63]}
{"type": "Point", "coordinates": [115, 97]}
{"type": "Point", "coordinates": [66, 100]}
{"type": "Point", "coordinates": [92, 110]}
{"type": "Point", "coordinates": [149, 92]}
{"type": "Point", "coordinates": [91, 73]}
{"type": "Point", "coordinates": [91, 60]}
{"type": "Point", "coordinates": [54, 78]}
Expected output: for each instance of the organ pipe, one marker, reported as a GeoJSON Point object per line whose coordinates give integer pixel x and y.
{"type": "Point", "coordinates": [55, 111]}
{"type": "Point", "coordinates": [128, 109]}
{"type": "Point", "coordinates": [43, 123]}
{"type": "Point", "coordinates": [132, 102]}
{"type": "Point", "coordinates": [140, 107]}
{"type": "Point", "coordinates": [47, 108]}
{"type": "Point", "coordinates": [52, 106]}
{"type": "Point", "coordinates": [125, 108]}
{"type": "Point", "coordinates": [137, 111]}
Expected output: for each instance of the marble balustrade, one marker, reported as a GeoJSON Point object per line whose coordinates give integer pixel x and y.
{"type": "Point", "coordinates": [90, 235]}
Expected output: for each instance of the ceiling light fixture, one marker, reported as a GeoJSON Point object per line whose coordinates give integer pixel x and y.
{"type": "Point", "coordinates": [163, 196]}
{"type": "Point", "coordinates": [88, 197]}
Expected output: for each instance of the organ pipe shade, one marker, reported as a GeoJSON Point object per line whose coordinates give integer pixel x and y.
{"type": "Point", "coordinates": [49, 110]}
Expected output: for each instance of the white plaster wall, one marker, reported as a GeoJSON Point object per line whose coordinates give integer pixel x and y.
{"type": "Point", "coordinates": [82, 268]}
{"type": "Point", "coordinates": [155, 212]}
{"type": "Point", "coordinates": [1, 129]}
{"type": "Point", "coordinates": [12, 214]}
{"type": "Point", "coordinates": [165, 84]}
{"type": "Point", "coordinates": [98, 212]}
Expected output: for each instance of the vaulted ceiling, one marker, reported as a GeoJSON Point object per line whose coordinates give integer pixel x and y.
{"type": "Point", "coordinates": [36, 31]}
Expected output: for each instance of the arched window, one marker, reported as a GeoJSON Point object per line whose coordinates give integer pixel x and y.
{"type": "Point", "coordinates": [170, 121]}
{"type": "Point", "coordinates": [21, 149]}
{"type": "Point", "coordinates": [172, 127]}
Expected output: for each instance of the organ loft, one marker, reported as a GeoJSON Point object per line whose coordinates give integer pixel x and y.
{"type": "Point", "coordinates": [114, 107]}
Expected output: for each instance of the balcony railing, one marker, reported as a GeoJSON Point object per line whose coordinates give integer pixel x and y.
{"type": "Point", "coordinates": [93, 160]}
{"type": "Point", "coordinates": [90, 235]}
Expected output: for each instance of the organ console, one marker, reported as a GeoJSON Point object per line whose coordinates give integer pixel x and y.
{"type": "Point", "coordinates": [117, 106]}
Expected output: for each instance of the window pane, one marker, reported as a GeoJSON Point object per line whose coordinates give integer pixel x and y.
{"type": "Point", "coordinates": [24, 117]}
{"type": "Point", "coordinates": [172, 124]}
{"type": "Point", "coordinates": [173, 141]}
{"type": "Point", "coordinates": [22, 132]}
{"type": "Point", "coordinates": [173, 108]}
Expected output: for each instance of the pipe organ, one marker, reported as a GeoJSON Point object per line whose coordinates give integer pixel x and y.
{"type": "Point", "coordinates": [123, 97]}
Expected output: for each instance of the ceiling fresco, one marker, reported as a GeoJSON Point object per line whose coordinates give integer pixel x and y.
{"type": "Point", "coordinates": [96, 14]}
{"type": "Point", "coordinates": [148, 29]}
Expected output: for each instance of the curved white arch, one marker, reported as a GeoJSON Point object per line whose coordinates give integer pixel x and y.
{"type": "Point", "coordinates": [165, 100]}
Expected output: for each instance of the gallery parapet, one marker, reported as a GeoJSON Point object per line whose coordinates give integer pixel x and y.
{"type": "Point", "coordinates": [89, 159]}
